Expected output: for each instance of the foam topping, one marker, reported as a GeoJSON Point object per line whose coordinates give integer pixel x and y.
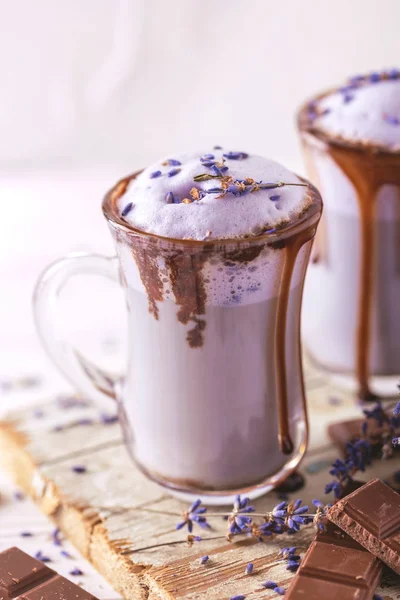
{"type": "Point", "coordinates": [366, 110]}
{"type": "Point", "coordinates": [214, 195]}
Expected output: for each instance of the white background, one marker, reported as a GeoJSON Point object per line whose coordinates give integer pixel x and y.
{"type": "Point", "coordinates": [93, 89]}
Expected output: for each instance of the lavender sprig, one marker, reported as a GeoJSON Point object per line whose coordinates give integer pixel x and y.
{"type": "Point", "coordinates": [359, 453]}
{"type": "Point", "coordinates": [285, 517]}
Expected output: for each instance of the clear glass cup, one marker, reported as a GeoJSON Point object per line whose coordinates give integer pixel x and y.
{"type": "Point", "coordinates": [212, 402]}
{"type": "Point", "coordinates": [351, 325]}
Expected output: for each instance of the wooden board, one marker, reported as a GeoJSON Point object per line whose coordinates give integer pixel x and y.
{"type": "Point", "coordinates": [125, 525]}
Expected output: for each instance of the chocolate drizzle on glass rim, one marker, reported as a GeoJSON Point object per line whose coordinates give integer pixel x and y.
{"type": "Point", "coordinates": [368, 167]}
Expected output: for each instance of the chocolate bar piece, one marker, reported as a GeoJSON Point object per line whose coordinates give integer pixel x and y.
{"type": "Point", "coordinates": [335, 566]}
{"type": "Point", "coordinates": [371, 516]}
{"type": "Point", "coordinates": [343, 432]}
{"type": "Point", "coordinates": [25, 578]}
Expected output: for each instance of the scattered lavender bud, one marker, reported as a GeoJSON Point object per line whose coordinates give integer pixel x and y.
{"type": "Point", "coordinates": [396, 411]}
{"type": "Point", "coordinates": [216, 190]}
{"type": "Point", "coordinates": [348, 98]}
{"type": "Point", "coordinates": [204, 559]}
{"type": "Point", "coordinates": [235, 155]}
{"type": "Point", "coordinates": [172, 162]}
{"type": "Point", "coordinates": [127, 209]}
{"type": "Point", "coordinates": [392, 120]}
{"type": "Point", "coordinates": [108, 419]}
{"type": "Point", "coordinates": [58, 428]}
{"type": "Point", "coordinates": [43, 558]}
{"type": "Point", "coordinates": [292, 566]}
{"type": "Point", "coordinates": [171, 199]}
{"type": "Point", "coordinates": [155, 174]}
{"type": "Point", "coordinates": [275, 198]}
{"type": "Point", "coordinates": [249, 569]}
{"type": "Point", "coordinates": [356, 79]}
{"type": "Point", "coordinates": [56, 537]}
{"type": "Point", "coordinates": [26, 534]}
{"type": "Point", "coordinates": [18, 496]}
{"type": "Point", "coordinates": [173, 172]}
{"type": "Point", "coordinates": [280, 591]}
{"type": "Point", "coordinates": [65, 554]}
{"type": "Point", "coordinates": [79, 469]}
{"type": "Point", "coordinates": [38, 414]}
{"type": "Point", "coordinates": [393, 74]}
{"type": "Point", "coordinates": [239, 597]}
{"type": "Point", "coordinates": [216, 170]}
{"type": "Point", "coordinates": [84, 422]}
{"type": "Point", "coordinates": [76, 572]}
{"type": "Point", "coordinates": [270, 585]}
{"type": "Point", "coordinates": [324, 112]}
{"type": "Point", "coordinates": [374, 77]}
{"type": "Point", "coordinates": [66, 402]}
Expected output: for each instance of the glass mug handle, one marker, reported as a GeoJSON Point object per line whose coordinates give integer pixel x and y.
{"type": "Point", "coordinates": [90, 380]}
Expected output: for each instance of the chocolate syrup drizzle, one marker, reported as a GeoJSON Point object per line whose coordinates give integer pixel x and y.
{"type": "Point", "coordinates": [368, 168]}
{"type": "Point", "coordinates": [292, 249]}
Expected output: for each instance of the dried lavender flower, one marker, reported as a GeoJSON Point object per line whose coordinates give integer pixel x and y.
{"type": "Point", "coordinates": [42, 557]}
{"type": "Point", "coordinates": [195, 514]}
{"type": "Point", "coordinates": [204, 559]}
{"type": "Point", "coordinates": [269, 585]}
{"type": "Point", "coordinates": [127, 209]}
{"type": "Point", "coordinates": [56, 537]}
{"type": "Point", "coordinates": [79, 469]}
{"type": "Point", "coordinates": [174, 172]}
{"type": "Point", "coordinates": [249, 569]}
{"type": "Point", "coordinates": [235, 155]}
{"type": "Point", "coordinates": [172, 162]}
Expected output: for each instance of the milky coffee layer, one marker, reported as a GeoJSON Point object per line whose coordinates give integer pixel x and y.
{"type": "Point", "coordinates": [215, 195]}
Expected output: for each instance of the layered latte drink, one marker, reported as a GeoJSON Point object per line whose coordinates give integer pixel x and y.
{"type": "Point", "coordinates": [213, 249]}
{"type": "Point", "coordinates": [351, 137]}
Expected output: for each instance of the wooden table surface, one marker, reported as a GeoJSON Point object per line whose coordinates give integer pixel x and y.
{"type": "Point", "coordinates": [112, 514]}
{"type": "Point", "coordinates": [16, 363]}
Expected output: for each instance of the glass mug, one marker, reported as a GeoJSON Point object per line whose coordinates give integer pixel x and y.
{"type": "Point", "coordinates": [212, 402]}
{"type": "Point", "coordinates": [352, 288]}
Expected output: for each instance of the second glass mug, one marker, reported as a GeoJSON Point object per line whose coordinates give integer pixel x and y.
{"type": "Point", "coordinates": [212, 403]}
{"type": "Point", "coordinates": [352, 287]}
